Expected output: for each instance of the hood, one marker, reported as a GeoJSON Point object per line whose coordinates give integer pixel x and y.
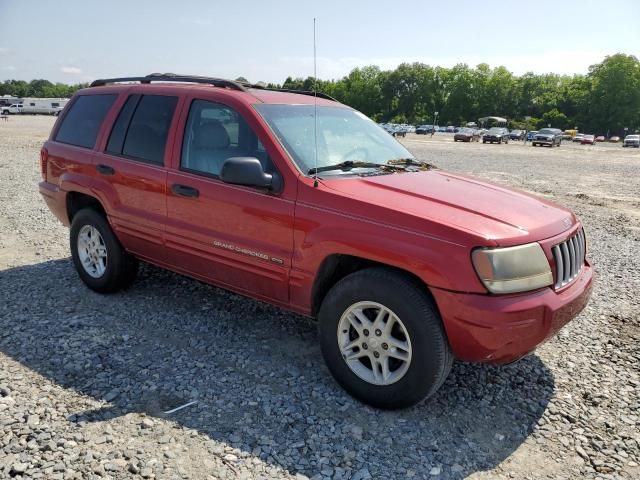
{"type": "Point", "coordinates": [497, 214]}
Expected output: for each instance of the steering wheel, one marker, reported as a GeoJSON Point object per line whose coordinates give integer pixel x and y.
{"type": "Point", "coordinates": [364, 154]}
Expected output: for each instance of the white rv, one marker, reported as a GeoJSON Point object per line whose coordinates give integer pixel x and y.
{"type": "Point", "coordinates": [47, 106]}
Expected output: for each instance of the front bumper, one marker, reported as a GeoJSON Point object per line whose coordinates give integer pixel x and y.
{"type": "Point", "coordinates": [504, 328]}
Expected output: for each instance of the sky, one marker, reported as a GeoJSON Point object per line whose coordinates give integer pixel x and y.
{"type": "Point", "coordinates": [74, 41]}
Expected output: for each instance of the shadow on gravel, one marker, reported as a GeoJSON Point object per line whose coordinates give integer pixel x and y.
{"type": "Point", "coordinates": [257, 374]}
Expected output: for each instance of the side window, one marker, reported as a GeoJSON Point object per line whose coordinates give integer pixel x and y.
{"type": "Point", "coordinates": [81, 124]}
{"type": "Point", "coordinates": [142, 127]}
{"type": "Point", "coordinates": [215, 132]}
{"type": "Point", "coordinates": [119, 130]}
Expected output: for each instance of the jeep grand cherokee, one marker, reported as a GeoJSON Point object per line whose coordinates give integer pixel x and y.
{"type": "Point", "coordinates": [307, 204]}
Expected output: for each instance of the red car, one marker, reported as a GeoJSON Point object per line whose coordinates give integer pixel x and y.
{"type": "Point", "coordinates": [404, 266]}
{"type": "Point", "coordinates": [588, 140]}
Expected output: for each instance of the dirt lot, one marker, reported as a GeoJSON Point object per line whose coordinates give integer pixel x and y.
{"type": "Point", "coordinates": [85, 379]}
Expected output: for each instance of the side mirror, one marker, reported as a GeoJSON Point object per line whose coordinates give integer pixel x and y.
{"type": "Point", "coordinates": [248, 171]}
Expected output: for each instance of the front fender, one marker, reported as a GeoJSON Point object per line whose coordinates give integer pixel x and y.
{"type": "Point", "coordinates": [320, 233]}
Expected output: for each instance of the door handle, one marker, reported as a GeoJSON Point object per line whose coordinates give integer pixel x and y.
{"type": "Point", "coordinates": [105, 169]}
{"type": "Point", "coordinates": [184, 190]}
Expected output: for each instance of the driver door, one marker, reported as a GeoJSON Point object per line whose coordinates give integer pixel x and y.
{"type": "Point", "coordinates": [235, 236]}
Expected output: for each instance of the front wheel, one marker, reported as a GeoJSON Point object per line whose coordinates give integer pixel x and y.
{"type": "Point", "coordinates": [383, 340]}
{"type": "Point", "coordinates": [101, 262]}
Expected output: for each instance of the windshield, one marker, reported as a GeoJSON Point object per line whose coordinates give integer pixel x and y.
{"type": "Point", "coordinates": [547, 130]}
{"type": "Point", "coordinates": [495, 130]}
{"type": "Point", "coordinates": [343, 135]}
{"type": "Point", "coordinates": [633, 137]}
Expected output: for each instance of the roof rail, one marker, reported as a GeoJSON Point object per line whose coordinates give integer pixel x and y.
{"type": "Point", "coordinates": [172, 77]}
{"type": "Point", "coordinates": [216, 82]}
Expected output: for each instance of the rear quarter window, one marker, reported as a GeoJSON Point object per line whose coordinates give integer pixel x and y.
{"type": "Point", "coordinates": [81, 124]}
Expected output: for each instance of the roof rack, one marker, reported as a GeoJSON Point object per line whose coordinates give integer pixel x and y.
{"type": "Point", "coordinates": [216, 82]}
{"type": "Point", "coordinates": [172, 77]}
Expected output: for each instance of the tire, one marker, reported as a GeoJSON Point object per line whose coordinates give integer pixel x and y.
{"type": "Point", "coordinates": [430, 358]}
{"type": "Point", "coordinates": [484, 141]}
{"type": "Point", "coordinates": [117, 271]}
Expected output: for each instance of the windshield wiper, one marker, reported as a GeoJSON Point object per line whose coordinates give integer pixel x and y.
{"type": "Point", "coordinates": [346, 165]}
{"type": "Point", "coordinates": [410, 161]}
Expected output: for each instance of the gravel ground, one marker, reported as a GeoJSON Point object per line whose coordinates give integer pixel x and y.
{"type": "Point", "coordinates": [85, 379]}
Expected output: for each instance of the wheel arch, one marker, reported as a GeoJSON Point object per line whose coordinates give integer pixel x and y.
{"type": "Point", "coordinates": [76, 201]}
{"type": "Point", "coordinates": [335, 267]}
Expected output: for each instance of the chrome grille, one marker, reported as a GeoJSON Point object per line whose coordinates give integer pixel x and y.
{"type": "Point", "coordinates": [569, 258]}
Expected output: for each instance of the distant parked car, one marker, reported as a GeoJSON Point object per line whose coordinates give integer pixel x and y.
{"type": "Point", "coordinates": [600, 138]}
{"type": "Point", "coordinates": [466, 135]}
{"type": "Point", "coordinates": [531, 134]}
{"type": "Point", "coordinates": [631, 141]}
{"type": "Point", "coordinates": [588, 140]}
{"type": "Point", "coordinates": [496, 135]}
{"type": "Point", "coordinates": [516, 135]}
{"type": "Point", "coordinates": [547, 136]}
{"type": "Point", "coordinates": [398, 131]}
{"type": "Point", "coordinates": [578, 138]}
{"type": "Point", "coordinates": [424, 129]}
{"type": "Point", "coordinates": [450, 129]}
{"type": "Point", "coordinates": [614, 139]}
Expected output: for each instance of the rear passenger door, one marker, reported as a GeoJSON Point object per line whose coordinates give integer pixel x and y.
{"type": "Point", "coordinates": [133, 163]}
{"type": "Point", "coordinates": [236, 236]}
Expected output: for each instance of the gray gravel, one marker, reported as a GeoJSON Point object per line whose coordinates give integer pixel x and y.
{"type": "Point", "coordinates": [85, 379]}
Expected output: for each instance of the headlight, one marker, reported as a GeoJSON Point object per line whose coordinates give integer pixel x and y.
{"type": "Point", "coordinates": [512, 269]}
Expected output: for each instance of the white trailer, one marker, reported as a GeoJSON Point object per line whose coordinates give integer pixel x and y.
{"type": "Point", "coordinates": [47, 106]}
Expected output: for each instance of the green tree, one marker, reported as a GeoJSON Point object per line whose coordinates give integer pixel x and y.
{"type": "Point", "coordinates": [614, 96]}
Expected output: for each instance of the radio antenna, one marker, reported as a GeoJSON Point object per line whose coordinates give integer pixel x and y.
{"type": "Point", "coordinates": [315, 108]}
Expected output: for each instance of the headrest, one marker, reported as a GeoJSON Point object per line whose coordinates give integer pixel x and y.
{"type": "Point", "coordinates": [211, 135]}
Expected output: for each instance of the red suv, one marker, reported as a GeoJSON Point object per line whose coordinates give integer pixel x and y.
{"type": "Point", "coordinates": [307, 204]}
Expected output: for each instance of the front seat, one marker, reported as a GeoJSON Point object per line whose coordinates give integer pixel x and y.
{"type": "Point", "coordinates": [210, 148]}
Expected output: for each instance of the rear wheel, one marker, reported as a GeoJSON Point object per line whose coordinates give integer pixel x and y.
{"type": "Point", "coordinates": [101, 262]}
{"type": "Point", "coordinates": [386, 348]}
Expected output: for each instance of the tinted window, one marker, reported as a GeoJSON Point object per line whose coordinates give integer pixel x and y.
{"type": "Point", "coordinates": [82, 122]}
{"type": "Point", "coordinates": [146, 136]}
{"type": "Point", "coordinates": [215, 132]}
{"type": "Point", "coordinates": [119, 130]}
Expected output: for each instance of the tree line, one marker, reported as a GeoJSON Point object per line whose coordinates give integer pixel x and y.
{"type": "Point", "coordinates": [38, 89]}
{"type": "Point", "coordinates": [605, 100]}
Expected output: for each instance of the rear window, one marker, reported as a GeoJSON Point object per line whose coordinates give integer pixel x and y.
{"type": "Point", "coordinates": [142, 127]}
{"type": "Point", "coordinates": [82, 122]}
